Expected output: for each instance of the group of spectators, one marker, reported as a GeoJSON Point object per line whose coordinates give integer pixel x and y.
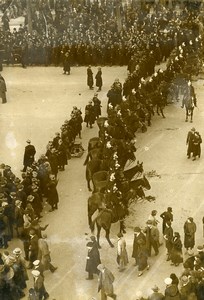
{"type": "Point", "coordinates": [97, 33]}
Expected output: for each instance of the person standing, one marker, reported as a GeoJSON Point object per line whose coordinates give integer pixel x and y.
{"type": "Point", "coordinates": [152, 237]}
{"type": "Point", "coordinates": [29, 155]}
{"type": "Point", "coordinates": [92, 260]}
{"type": "Point", "coordinates": [44, 254]}
{"type": "Point", "coordinates": [66, 63]}
{"type": "Point", "coordinates": [197, 140]}
{"type": "Point", "coordinates": [176, 252]}
{"type": "Point", "coordinates": [3, 90]}
{"type": "Point", "coordinates": [189, 233]}
{"type": "Point", "coordinates": [52, 194]}
{"type": "Point", "coordinates": [189, 142]}
{"type": "Point", "coordinates": [33, 248]}
{"type": "Point", "coordinates": [39, 287]}
{"type": "Point", "coordinates": [122, 257]}
{"type": "Point", "coordinates": [167, 216]}
{"type": "Point", "coordinates": [105, 283]}
{"type": "Point", "coordinates": [138, 244]}
{"type": "Point", "coordinates": [168, 236]}
{"type": "Point", "coordinates": [97, 105]}
{"type": "Point", "coordinates": [90, 78]}
{"type": "Point", "coordinates": [89, 118]}
{"type": "Point", "coordinates": [99, 81]}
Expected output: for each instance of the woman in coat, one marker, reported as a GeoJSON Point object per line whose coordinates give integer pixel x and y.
{"type": "Point", "coordinates": [99, 81]}
{"type": "Point", "coordinates": [189, 233]}
{"type": "Point", "coordinates": [176, 252]}
{"type": "Point", "coordinates": [122, 257]}
{"type": "Point", "coordinates": [62, 155]}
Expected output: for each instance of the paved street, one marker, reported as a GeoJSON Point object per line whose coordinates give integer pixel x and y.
{"type": "Point", "coordinates": [39, 100]}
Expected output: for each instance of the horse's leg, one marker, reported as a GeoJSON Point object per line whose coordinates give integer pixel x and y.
{"type": "Point", "coordinates": [186, 120]}
{"type": "Point", "coordinates": [88, 179]}
{"type": "Point", "coordinates": [98, 234]}
{"type": "Point", "coordinates": [108, 238]}
{"type": "Point", "coordinates": [122, 226]}
{"type": "Point", "coordinates": [191, 116]}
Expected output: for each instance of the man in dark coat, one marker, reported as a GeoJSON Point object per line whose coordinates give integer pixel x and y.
{"type": "Point", "coordinates": [66, 63]}
{"type": "Point", "coordinates": [189, 142]}
{"type": "Point", "coordinates": [90, 78]}
{"type": "Point", "coordinates": [89, 118]}
{"type": "Point", "coordinates": [197, 140]}
{"type": "Point", "coordinates": [29, 155]}
{"type": "Point", "coordinates": [92, 260]}
{"type": "Point", "coordinates": [98, 78]}
{"type": "Point", "coordinates": [152, 238]}
{"type": "Point", "coordinates": [156, 295]}
{"type": "Point", "coordinates": [33, 248]}
{"type": "Point", "coordinates": [138, 244]}
{"type": "Point", "coordinates": [168, 236]}
{"type": "Point", "coordinates": [167, 216]}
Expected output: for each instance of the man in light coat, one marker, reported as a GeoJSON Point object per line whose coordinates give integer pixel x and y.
{"type": "Point", "coordinates": [105, 283]}
{"type": "Point", "coordinates": [44, 254]}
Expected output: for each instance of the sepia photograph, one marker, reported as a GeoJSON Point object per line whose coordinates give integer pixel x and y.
{"type": "Point", "coordinates": [101, 154]}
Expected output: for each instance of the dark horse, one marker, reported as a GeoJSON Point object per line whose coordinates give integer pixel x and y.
{"type": "Point", "coordinates": [189, 101]}
{"type": "Point", "coordinates": [117, 212]}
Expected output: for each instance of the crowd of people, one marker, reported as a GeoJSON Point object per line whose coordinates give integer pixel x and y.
{"type": "Point", "coordinates": [97, 33]}
{"type": "Point", "coordinates": [188, 286]}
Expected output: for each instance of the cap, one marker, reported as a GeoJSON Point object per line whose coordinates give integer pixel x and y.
{"type": "Point", "coordinates": [184, 279]}
{"type": "Point", "coordinates": [193, 129]}
{"type": "Point", "coordinates": [168, 281]}
{"type": "Point", "coordinates": [28, 141]}
{"type": "Point", "coordinates": [137, 229]}
{"type": "Point", "coordinates": [35, 273]}
{"type": "Point", "coordinates": [36, 262]}
{"type": "Point", "coordinates": [17, 251]}
{"type": "Point", "coordinates": [200, 248]}
{"type": "Point", "coordinates": [149, 222]}
{"type": "Point", "coordinates": [119, 235]}
{"type": "Point", "coordinates": [18, 202]}
{"type": "Point", "coordinates": [93, 238]}
{"type": "Point", "coordinates": [30, 198]}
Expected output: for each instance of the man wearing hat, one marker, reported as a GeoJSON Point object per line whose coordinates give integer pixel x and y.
{"type": "Point", "coordinates": [33, 248]}
{"type": "Point", "coordinates": [89, 118]}
{"type": "Point", "coordinates": [166, 216]}
{"type": "Point", "coordinates": [168, 236]}
{"type": "Point", "coordinates": [37, 265]}
{"type": "Point", "coordinates": [44, 254]}
{"type": "Point", "coordinates": [18, 217]}
{"type": "Point", "coordinates": [189, 142]}
{"type": "Point", "coordinates": [90, 78]}
{"type": "Point", "coordinates": [105, 283]}
{"type": "Point", "coordinates": [39, 287]}
{"type": "Point", "coordinates": [152, 237]}
{"type": "Point", "coordinates": [156, 295]}
{"type": "Point", "coordinates": [139, 244]}
{"type": "Point", "coordinates": [29, 155]}
{"type": "Point", "coordinates": [171, 291]}
{"type": "Point", "coordinates": [201, 255]}
{"type": "Point", "coordinates": [92, 260]}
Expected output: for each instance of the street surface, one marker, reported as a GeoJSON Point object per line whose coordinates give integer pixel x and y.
{"type": "Point", "coordinates": [39, 100]}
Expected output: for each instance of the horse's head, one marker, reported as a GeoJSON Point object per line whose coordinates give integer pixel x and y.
{"type": "Point", "coordinates": [145, 183]}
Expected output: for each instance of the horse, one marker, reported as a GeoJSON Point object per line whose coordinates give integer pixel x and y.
{"type": "Point", "coordinates": [130, 173]}
{"type": "Point", "coordinates": [95, 202]}
{"type": "Point", "coordinates": [94, 166]}
{"type": "Point", "coordinates": [94, 142]}
{"type": "Point", "coordinates": [106, 217]}
{"type": "Point", "coordinates": [189, 101]}
{"type": "Point", "coordinates": [93, 154]}
{"type": "Point", "coordinates": [136, 185]}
